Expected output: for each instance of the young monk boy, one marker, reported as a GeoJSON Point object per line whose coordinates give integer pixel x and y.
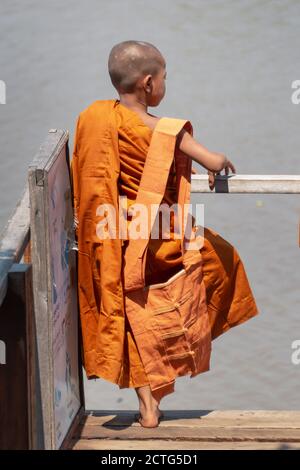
{"type": "Point", "coordinates": [138, 72]}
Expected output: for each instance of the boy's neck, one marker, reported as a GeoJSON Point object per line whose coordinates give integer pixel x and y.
{"type": "Point", "coordinates": [133, 102]}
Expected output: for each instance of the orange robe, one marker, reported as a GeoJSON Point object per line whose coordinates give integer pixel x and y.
{"type": "Point", "coordinates": [229, 296]}
{"type": "Point", "coordinates": [110, 148]}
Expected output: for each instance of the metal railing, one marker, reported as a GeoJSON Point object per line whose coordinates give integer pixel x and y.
{"type": "Point", "coordinates": [247, 184]}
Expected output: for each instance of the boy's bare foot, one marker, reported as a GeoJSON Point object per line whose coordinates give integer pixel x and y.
{"type": "Point", "coordinates": [150, 414]}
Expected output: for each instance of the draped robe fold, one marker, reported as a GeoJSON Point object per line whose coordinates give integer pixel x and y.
{"type": "Point", "coordinates": [110, 148]}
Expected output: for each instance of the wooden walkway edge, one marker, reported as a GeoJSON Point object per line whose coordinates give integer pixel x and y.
{"type": "Point", "coordinates": [188, 429]}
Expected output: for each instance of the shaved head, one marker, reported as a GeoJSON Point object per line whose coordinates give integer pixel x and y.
{"type": "Point", "coordinates": [131, 60]}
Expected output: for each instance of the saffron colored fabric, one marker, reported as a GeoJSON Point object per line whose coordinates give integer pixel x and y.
{"type": "Point", "coordinates": [110, 148]}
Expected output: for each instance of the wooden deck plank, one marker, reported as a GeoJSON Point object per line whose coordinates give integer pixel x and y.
{"type": "Point", "coordinates": [203, 418]}
{"type": "Point", "coordinates": [193, 429]}
{"type": "Point", "coordinates": [182, 433]}
{"type": "Point", "coordinates": [107, 444]}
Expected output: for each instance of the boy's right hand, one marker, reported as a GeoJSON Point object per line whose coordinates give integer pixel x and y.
{"type": "Point", "coordinates": [211, 174]}
{"type": "Point", "coordinates": [229, 166]}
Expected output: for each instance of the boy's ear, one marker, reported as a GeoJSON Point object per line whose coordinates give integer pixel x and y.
{"type": "Point", "coordinates": [148, 83]}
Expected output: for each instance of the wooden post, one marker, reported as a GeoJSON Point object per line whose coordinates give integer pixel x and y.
{"type": "Point", "coordinates": [55, 287]}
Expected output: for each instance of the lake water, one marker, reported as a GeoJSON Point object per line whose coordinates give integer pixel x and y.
{"type": "Point", "coordinates": [230, 68]}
